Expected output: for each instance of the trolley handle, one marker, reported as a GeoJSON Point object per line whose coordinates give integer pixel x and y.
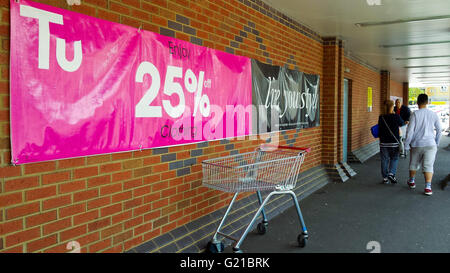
{"type": "Point", "coordinates": [288, 147]}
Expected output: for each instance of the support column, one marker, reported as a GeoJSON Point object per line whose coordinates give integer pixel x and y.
{"type": "Point", "coordinates": [332, 109]}
{"type": "Point", "coordinates": [332, 85]}
{"type": "Point", "coordinates": [385, 87]}
{"type": "Point", "coordinates": [405, 93]}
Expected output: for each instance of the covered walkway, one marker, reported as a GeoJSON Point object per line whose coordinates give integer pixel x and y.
{"type": "Point", "coordinates": [345, 217]}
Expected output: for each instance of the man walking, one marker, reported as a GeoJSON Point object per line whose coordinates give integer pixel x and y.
{"type": "Point", "coordinates": [423, 141]}
{"type": "Point", "coordinates": [402, 110]}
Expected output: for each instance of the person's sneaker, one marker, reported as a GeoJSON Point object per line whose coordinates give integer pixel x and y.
{"type": "Point", "coordinates": [428, 191]}
{"type": "Point", "coordinates": [411, 184]}
{"type": "Point", "coordinates": [392, 178]}
{"type": "Point", "coordinates": [386, 181]}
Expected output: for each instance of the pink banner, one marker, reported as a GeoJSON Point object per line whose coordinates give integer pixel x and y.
{"type": "Point", "coordinates": [83, 86]}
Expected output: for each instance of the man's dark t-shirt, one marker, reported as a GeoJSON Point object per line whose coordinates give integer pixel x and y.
{"type": "Point", "coordinates": [405, 112]}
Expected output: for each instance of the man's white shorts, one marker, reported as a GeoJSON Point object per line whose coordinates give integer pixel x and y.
{"type": "Point", "coordinates": [424, 156]}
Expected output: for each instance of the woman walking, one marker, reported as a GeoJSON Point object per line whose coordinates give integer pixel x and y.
{"type": "Point", "coordinates": [389, 127]}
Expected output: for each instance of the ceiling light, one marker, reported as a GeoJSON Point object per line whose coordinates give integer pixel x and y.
{"type": "Point", "coordinates": [433, 77]}
{"type": "Point", "coordinates": [424, 57]}
{"type": "Point", "coordinates": [423, 66]}
{"type": "Point", "coordinates": [373, 2]}
{"type": "Point", "coordinates": [439, 72]}
{"type": "Point", "coordinates": [414, 44]}
{"type": "Point", "coordinates": [434, 82]}
{"type": "Point", "coordinates": [399, 21]}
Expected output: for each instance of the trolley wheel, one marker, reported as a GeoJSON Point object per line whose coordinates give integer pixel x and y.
{"type": "Point", "coordinates": [302, 239]}
{"type": "Point", "coordinates": [237, 250]}
{"type": "Point", "coordinates": [214, 248]}
{"type": "Point", "coordinates": [262, 228]}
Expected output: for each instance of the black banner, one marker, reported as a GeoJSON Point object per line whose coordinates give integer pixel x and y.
{"type": "Point", "coordinates": [284, 99]}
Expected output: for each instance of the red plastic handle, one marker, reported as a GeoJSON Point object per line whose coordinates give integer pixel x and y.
{"type": "Point", "coordinates": [289, 148]}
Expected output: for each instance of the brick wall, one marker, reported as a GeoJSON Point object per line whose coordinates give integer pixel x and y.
{"type": "Point", "coordinates": [396, 89]}
{"type": "Point", "coordinates": [113, 202]}
{"type": "Point", "coordinates": [329, 109]}
{"type": "Point", "coordinates": [361, 120]}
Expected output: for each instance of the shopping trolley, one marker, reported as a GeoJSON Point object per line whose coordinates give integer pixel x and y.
{"type": "Point", "coordinates": [268, 168]}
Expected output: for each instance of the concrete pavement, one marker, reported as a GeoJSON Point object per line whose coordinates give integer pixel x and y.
{"type": "Point", "coordinates": [345, 217]}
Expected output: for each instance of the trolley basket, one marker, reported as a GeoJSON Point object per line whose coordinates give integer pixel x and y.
{"type": "Point", "coordinates": [268, 168]}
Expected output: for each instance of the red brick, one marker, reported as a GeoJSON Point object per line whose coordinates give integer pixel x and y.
{"type": "Point", "coordinates": [111, 231]}
{"type": "Point", "coordinates": [72, 186]}
{"type": "Point", "coordinates": [40, 219]}
{"type": "Point", "coordinates": [121, 156]}
{"type": "Point", "coordinates": [152, 197]}
{"type": "Point", "coordinates": [42, 243]}
{"type": "Point", "coordinates": [72, 210]}
{"type": "Point", "coordinates": [142, 191]}
{"type": "Point", "coordinates": [168, 175]}
{"type": "Point", "coordinates": [109, 168]}
{"type": "Point", "coordinates": [152, 216]}
{"type": "Point", "coordinates": [98, 181]}
{"type": "Point", "coordinates": [122, 176]}
{"type": "Point", "coordinates": [10, 227]}
{"type": "Point", "coordinates": [106, 211]}
{"type": "Point", "coordinates": [18, 249]}
{"type": "Point", "coordinates": [122, 237]}
{"type": "Point", "coordinates": [152, 160]}
{"type": "Point", "coordinates": [169, 227]}
{"type": "Point", "coordinates": [110, 189]}
{"type": "Point", "coordinates": [97, 247]}
{"type": "Point", "coordinates": [99, 202]}
{"type": "Point", "coordinates": [168, 192]}
{"type": "Point", "coordinates": [62, 248]}
{"type": "Point", "coordinates": [85, 172]}
{"type": "Point", "coordinates": [56, 226]}
{"type": "Point", "coordinates": [142, 210]}
{"type": "Point", "coordinates": [119, 8]}
{"type": "Point", "coordinates": [83, 9]}
{"type": "Point", "coordinates": [21, 183]}
{"type": "Point", "coordinates": [121, 196]}
{"type": "Point", "coordinates": [7, 200]}
{"type": "Point", "coordinates": [22, 236]}
{"type": "Point", "coordinates": [150, 8]}
{"type": "Point", "coordinates": [40, 193]}
{"type": "Point", "coordinates": [160, 168]}
{"type": "Point", "coordinates": [133, 243]}
{"type": "Point", "coordinates": [132, 203]}
{"type": "Point", "coordinates": [115, 249]}
{"type": "Point", "coordinates": [98, 3]}
{"type": "Point", "coordinates": [10, 171]}
{"type": "Point", "coordinates": [85, 195]}
{"type": "Point", "coordinates": [130, 22]}
{"type": "Point", "coordinates": [132, 184]}
{"type": "Point", "coordinates": [142, 229]}
{"type": "Point", "coordinates": [71, 163]}
{"type": "Point", "coordinates": [151, 235]}
{"type": "Point", "coordinates": [159, 186]}
{"type": "Point", "coordinates": [160, 204]}
{"type": "Point", "coordinates": [122, 217]}
{"type": "Point", "coordinates": [85, 217]}
{"type": "Point", "coordinates": [98, 159]}
{"type": "Point", "coordinates": [73, 233]}
{"type": "Point", "coordinates": [56, 202]}
{"type": "Point", "coordinates": [23, 210]}
{"type": "Point", "coordinates": [55, 177]}
{"type": "Point", "coordinates": [151, 179]}
{"type": "Point", "coordinates": [40, 167]}
{"type": "Point", "coordinates": [108, 16]}
{"type": "Point", "coordinates": [132, 164]}
{"type": "Point", "coordinates": [99, 224]}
